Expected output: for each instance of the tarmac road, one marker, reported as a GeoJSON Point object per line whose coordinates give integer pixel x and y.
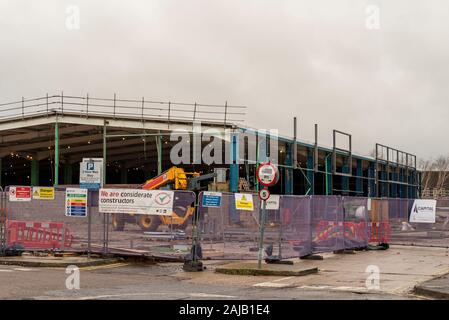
{"type": "Point", "coordinates": [146, 282]}
{"type": "Point", "coordinates": [341, 276]}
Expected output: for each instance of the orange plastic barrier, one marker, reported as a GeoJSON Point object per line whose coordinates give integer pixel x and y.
{"type": "Point", "coordinates": [38, 234]}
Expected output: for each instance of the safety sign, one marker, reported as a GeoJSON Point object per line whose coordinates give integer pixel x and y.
{"type": "Point", "coordinates": [19, 193]}
{"type": "Point", "coordinates": [136, 201]}
{"type": "Point", "coordinates": [76, 202]}
{"type": "Point", "coordinates": [211, 199]}
{"type": "Point", "coordinates": [244, 201]}
{"type": "Point", "coordinates": [43, 193]}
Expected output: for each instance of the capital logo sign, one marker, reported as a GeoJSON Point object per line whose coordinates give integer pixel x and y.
{"type": "Point", "coordinates": [423, 211]}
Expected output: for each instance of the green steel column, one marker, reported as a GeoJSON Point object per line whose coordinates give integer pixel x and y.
{"type": "Point", "coordinates": [159, 154]}
{"type": "Point", "coordinates": [56, 179]}
{"type": "Point", "coordinates": [310, 185]}
{"type": "Point", "coordinates": [105, 166]}
{"type": "Point", "coordinates": [345, 180]}
{"type": "Point", "coordinates": [371, 182]}
{"type": "Point", "coordinates": [123, 174]}
{"type": "Point", "coordinates": [328, 174]}
{"type": "Point", "coordinates": [34, 172]}
{"type": "Point", "coordinates": [288, 172]}
{"type": "Point", "coordinates": [358, 179]}
{"type": "Point", "coordinates": [68, 172]}
{"type": "Point", "coordinates": [234, 167]}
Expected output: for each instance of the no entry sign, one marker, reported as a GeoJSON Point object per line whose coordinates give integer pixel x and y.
{"type": "Point", "coordinates": [267, 174]}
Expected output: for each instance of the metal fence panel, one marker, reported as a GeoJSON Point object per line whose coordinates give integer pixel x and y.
{"type": "Point", "coordinates": [356, 222]}
{"type": "Point", "coordinates": [162, 235]}
{"type": "Point", "coordinates": [295, 212]}
{"type": "Point", "coordinates": [34, 222]}
{"type": "Point", "coordinates": [327, 224]}
{"type": "Point", "coordinates": [230, 233]}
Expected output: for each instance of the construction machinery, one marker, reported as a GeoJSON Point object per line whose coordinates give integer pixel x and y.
{"type": "Point", "coordinates": [174, 178]}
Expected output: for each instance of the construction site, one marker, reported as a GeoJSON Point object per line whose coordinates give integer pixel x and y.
{"type": "Point", "coordinates": [76, 170]}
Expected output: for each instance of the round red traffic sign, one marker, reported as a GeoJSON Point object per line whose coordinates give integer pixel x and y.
{"type": "Point", "coordinates": [267, 174]}
{"type": "Point", "coordinates": [264, 194]}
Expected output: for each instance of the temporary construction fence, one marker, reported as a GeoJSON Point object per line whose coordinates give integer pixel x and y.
{"type": "Point", "coordinates": [42, 224]}
{"type": "Point", "coordinates": [295, 226]}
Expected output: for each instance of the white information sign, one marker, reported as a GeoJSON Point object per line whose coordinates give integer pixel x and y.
{"type": "Point", "coordinates": [136, 201]}
{"type": "Point", "coordinates": [423, 211]}
{"type": "Point", "coordinates": [273, 202]}
{"type": "Point", "coordinates": [91, 170]}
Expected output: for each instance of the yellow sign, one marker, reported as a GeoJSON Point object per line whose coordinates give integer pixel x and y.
{"type": "Point", "coordinates": [244, 201]}
{"type": "Point", "coordinates": [43, 193]}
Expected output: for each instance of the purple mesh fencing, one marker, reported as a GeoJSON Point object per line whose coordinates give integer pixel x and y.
{"type": "Point", "coordinates": [327, 224]}
{"type": "Point", "coordinates": [32, 222]}
{"type": "Point", "coordinates": [227, 232]}
{"type": "Point", "coordinates": [158, 235]}
{"type": "Point", "coordinates": [356, 222]}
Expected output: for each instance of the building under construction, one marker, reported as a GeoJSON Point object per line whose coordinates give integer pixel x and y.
{"type": "Point", "coordinates": [43, 140]}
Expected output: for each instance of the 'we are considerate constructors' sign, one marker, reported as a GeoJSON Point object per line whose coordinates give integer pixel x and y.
{"type": "Point", "coordinates": [136, 201]}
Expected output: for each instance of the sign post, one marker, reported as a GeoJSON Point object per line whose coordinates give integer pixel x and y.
{"type": "Point", "coordinates": [91, 178]}
{"type": "Point", "coordinates": [268, 175]}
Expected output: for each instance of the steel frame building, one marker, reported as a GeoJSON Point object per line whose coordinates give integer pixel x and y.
{"type": "Point", "coordinates": [42, 140]}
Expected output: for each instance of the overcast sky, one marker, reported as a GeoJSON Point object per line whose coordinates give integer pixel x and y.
{"type": "Point", "coordinates": [316, 60]}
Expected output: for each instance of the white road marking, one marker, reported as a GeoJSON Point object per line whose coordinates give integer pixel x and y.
{"type": "Point", "coordinates": [274, 284]}
{"type": "Point", "coordinates": [210, 295]}
{"type": "Point", "coordinates": [5, 270]}
{"type": "Point", "coordinates": [339, 288]}
{"type": "Point", "coordinates": [23, 269]}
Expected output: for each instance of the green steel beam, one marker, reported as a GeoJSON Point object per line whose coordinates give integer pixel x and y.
{"type": "Point", "coordinates": [34, 172]}
{"type": "Point", "coordinates": [68, 172]}
{"type": "Point", "coordinates": [310, 172]}
{"type": "Point", "coordinates": [288, 172]}
{"type": "Point", "coordinates": [159, 154]}
{"type": "Point", "coordinates": [123, 174]}
{"type": "Point", "coordinates": [358, 179]}
{"type": "Point", "coordinates": [328, 173]}
{"type": "Point", "coordinates": [105, 166]}
{"type": "Point", "coordinates": [56, 178]}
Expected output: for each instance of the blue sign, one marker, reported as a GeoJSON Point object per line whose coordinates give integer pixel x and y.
{"type": "Point", "coordinates": [90, 185]}
{"type": "Point", "coordinates": [211, 199]}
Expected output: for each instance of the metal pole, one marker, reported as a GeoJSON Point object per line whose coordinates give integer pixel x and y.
{"type": "Point", "coordinates": [62, 102]}
{"type": "Point", "coordinates": [56, 180]}
{"type": "Point", "coordinates": [295, 146]}
{"type": "Point", "coordinates": [114, 105]}
{"type": "Point", "coordinates": [23, 107]}
{"type": "Point", "coordinates": [89, 223]}
{"type": "Point", "coordinates": [107, 233]}
{"type": "Point", "coordinates": [262, 229]}
{"type": "Point", "coordinates": [47, 103]}
{"type": "Point", "coordinates": [104, 152]}
{"type": "Point", "coordinates": [143, 102]}
{"type": "Point", "coordinates": [169, 109]}
{"type": "Point", "coordinates": [280, 234]}
{"type": "Point", "coordinates": [87, 106]}
{"type": "Point", "coordinates": [194, 113]}
{"type": "Point", "coordinates": [159, 153]}
{"type": "Point", "coordinates": [226, 112]}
